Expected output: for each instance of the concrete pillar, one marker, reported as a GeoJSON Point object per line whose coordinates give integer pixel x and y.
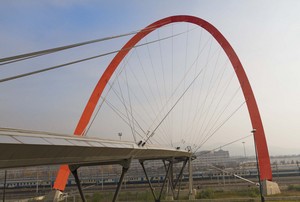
{"type": "Point", "coordinates": [191, 193]}
{"type": "Point", "coordinates": [270, 188]}
{"type": "Point", "coordinates": [54, 196]}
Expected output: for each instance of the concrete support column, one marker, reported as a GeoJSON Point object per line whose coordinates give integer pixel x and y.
{"type": "Point", "coordinates": [191, 193]}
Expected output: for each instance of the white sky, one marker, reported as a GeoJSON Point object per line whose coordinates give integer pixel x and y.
{"type": "Point", "coordinates": [264, 34]}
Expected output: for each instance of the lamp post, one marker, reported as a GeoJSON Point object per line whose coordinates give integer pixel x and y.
{"type": "Point", "coordinates": [120, 135]}
{"type": "Point", "coordinates": [258, 172]}
{"type": "Point", "coordinates": [102, 179]}
{"type": "Point", "coordinates": [4, 185]}
{"type": "Point", "coordinates": [244, 150]}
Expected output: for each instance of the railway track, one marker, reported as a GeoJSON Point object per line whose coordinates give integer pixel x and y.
{"type": "Point", "coordinates": [228, 183]}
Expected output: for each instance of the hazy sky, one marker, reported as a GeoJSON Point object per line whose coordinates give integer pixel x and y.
{"type": "Point", "coordinates": [264, 34]}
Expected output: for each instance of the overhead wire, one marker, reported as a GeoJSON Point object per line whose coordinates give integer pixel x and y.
{"type": "Point", "coordinates": [132, 128]}
{"type": "Point", "coordinates": [205, 113]}
{"type": "Point", "coordinates": [17, 58]}
{"type": "Point", "coordinates": [155, 82]}
{"type": "Point", "coordinates": [224, 145]}
{"type": "Point", "coordinates": [77, 61]}
{"type": "Point", "coordinates": [146, 112]}
{"type": "Point", "coordinates": [214, 132]}
{"type": "Point", "coordinates": [200, 51]}
{"type": "Point", "coordinates": [215, 110]}
{"type": "Point", "coordinates": [162, 109]}
{"type": "Point", "coordinates": [202, 105]}
{"type": "Point", "coordinates": [185, 67]}
{"type": "Point", "coordinates": [176, 89]}
{"type": "Point", "coordinates": [172, 80]}
{"type": "Point", "coordinates": [120, 114]}
{"type": "Point", "coordinates": [130, 105]}
{"type": "Point", "coordinates": [230, 173]}
{"type": "Point", "coordinates": [208, 91]}
{"type": "Point", "coordinates": [220, 99]}
{"type": "Point", "coordinates": [144, 91]}
{"type": "Point", "coordinates": [193, 89]}
{"type": "Point", "coordinates": [115, 109]}
{"type": "Point", "coordinates": [153, 71]}
{"type": "Point", "coordinates": [123, 99]}
{"type": "Point", "coordinates": [104, 97]}
{"type": "Point", "coordinates": [126, 108]}
{"type": "Point", "coordinates": [145, 95]}
{"type": "Point", "coordinates": [221, 113]}
{"type": "Point", "coordinates": [147, 80]}
{"type": "Point", "coordinates": [160, 99]}
{"type": "Point", "coordinates": [163, 73]}
{"type": "Point", "coordinates": [175, 104]}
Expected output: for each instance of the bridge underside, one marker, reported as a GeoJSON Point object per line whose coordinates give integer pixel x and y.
{"type": "Point", "coordinates": [20, 150]}
{"type": "Point", "coordinates": [25, 149]}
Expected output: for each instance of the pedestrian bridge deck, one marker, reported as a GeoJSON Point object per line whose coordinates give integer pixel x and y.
{"type": "Point", "coordinates": [20, 149]}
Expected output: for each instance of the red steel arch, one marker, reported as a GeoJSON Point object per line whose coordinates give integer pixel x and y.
{"type": "Point", "coordinates": [260, 140]}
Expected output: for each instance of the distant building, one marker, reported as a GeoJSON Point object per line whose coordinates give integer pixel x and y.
{"type": "Point", "coordinates": [206, 158]}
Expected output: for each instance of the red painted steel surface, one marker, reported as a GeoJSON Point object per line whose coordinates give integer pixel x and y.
{"type": "Point", "coordinates": [262, 149]}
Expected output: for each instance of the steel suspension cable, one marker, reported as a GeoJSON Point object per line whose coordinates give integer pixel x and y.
{"type": "Point", "coordinates": [104, 98]}
{"type": "Point", "coordinates": [16, 58]}
{"type": "Point", "coordinates": [214, 132]}
{"type": "Point", "coordinates": [77, 61]}
{"type": "Point", "coordinates": [185, 64]}
{"type": "Point", "coordinates": [122, 100]}
{"type": "Point", "coordinates": [155, 78]}
{"type": "Point", "coordinates": [126, 109]}
{"type": "Point", "coordinates": [199, 109]}
{"type": "Point", "coordinates": [203, 136]}
{"type": "Point", "coordinates": [177, 87]}
{"type": "Point", "coordinates": [122, 115]}
{"type": "Point", "coordinates": [172, 78]}
{"type": "Point", "coordinates": [205, 113]}
{"type": "Point", "coordinates": [163, 72]}
{"type": "Point", "coordinates": [229, 143]}
{"type": "Point", "coordinates": [220, 99]}
{"type": "Point", "coordinates": [145, 95]}
{"type": "Point", "coordinates": [216, 107]}
{"type": "Point", "coordinates": [193, 87]}
{"type": "Point", "coordinates": [221, 113]}
{"type": "Point", "coordinates": [153, 111]}
{"type": "Point", "coordinates": [130, 105]}
{"type": "Point", "coordinates": [148, 83]}
{"type": "Point", "coordinates": [174, 105]}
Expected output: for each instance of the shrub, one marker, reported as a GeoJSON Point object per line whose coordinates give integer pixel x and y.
{"type": "Point", "coordinates": [206, 194]}
{"type": "Point", "coordinates": [294, 187]}
{"type": "Point", "coordinates": [97, 197]}
{"type": "Point", "coordinates": [254, 192]}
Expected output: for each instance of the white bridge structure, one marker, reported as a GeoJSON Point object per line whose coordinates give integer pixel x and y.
{"type": "Point", "coordinates": [19, 148]}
